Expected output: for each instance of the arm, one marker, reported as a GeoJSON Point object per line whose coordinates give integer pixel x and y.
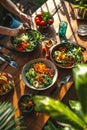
{"type": "Point", "coordinates": [9, 5]}
{"type": "Point", "coordinates": [12, 32]}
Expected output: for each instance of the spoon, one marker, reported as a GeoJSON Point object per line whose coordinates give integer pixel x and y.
{"type": "Point", "coordinates": [63, 81]}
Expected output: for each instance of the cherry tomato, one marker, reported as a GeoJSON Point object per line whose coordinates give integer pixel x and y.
{"type": "Point", "coordinates": [47, 56]}
{"type": "Point", "coordinates": [50, 21]}
{"type": "Point", "coordinates": [44, 49]}
{"type": "Point", "coordinates": [39, 15]}
{"type": "Point", "coordinates": [37, 18]}
{"type": "Point", "coordinates": [42, 23]}
{"type": "Point", "coordinates": [38, 22]}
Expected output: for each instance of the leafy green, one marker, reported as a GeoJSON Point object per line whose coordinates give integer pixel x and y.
{"type": "Point", "coordinates": [76, 117]}
{"type": "Point", "coordinates": [32, 37]}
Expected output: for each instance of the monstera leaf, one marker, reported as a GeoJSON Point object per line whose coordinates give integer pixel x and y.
{"type": "Point", "coordinates": [76, 117]}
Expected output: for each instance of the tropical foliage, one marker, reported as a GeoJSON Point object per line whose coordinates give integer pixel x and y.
{"type": "Point", "coordinates": [76, 117]}
{"type": "Point", "coordinates": [80, 4]}
{"type": "Point", "coordinates": [7, 120]}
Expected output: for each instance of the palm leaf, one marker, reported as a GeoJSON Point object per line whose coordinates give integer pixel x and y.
{"type": "Point", "coordinates": [7, 120]}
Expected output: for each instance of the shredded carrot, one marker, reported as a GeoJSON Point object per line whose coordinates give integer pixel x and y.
{"type": "Point", "coordinates": [42, 68]}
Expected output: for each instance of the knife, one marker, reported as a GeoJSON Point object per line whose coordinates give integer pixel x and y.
{"type": "Point", "coordinates": [63, 81]}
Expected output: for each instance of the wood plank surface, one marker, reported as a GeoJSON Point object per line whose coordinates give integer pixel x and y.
{"type": "Point", "coordinates": [61, 11]}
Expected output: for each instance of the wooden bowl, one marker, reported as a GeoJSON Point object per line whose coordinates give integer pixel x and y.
{"type": "Point", "coordinates": [66, 55]}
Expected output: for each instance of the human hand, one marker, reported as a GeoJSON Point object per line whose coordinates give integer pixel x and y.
{"type": "Point", "coordinates": [26, 19]}
{"type": "Point", "coordinates": [18, 31]}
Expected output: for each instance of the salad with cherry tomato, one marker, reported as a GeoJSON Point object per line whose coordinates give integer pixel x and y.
{"type": "Point", "coordinates": [28, 41]}
{"type": "Point", "coordinates": [44, 19]}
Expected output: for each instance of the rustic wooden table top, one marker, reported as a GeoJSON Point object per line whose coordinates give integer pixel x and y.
{"type": "Point", "coordinates": [61, 11]}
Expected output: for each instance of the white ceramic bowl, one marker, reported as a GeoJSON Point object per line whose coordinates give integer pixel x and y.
{"type": "Point", "coordinates": [45, 61]}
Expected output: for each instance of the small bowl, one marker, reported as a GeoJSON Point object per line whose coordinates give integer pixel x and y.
{"type": "Point", "coordinates": [39, 74]}
{"type": "Point", "coordinates": [48, 42]}
{"type": "Point", "coordinates": [27, 42]}
{"type": "Point", "coordinates": [25, 103]}
{"type": "Point", "coordinates": [6, 83]}
{"type": "Point", "coordinates": [44, 19]}
{"type": "Point", "coordinates": [66, 55]}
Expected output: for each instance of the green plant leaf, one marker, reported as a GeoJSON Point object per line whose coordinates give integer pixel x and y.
{"type": "Point", "coordinates": [58, 111]}
{"type": "Point", "coordinates": [76, 107]}
{"type": "Point", "coordinates": [7, 120]}
{"type": "Point", "coordinates": [80, 78]}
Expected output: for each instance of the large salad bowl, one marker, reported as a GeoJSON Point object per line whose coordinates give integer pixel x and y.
{"type": "Point", "coordinates": [27, 42]}
{"type": "Point", "coordinates": [66, 55]}
{"type": "Point", "coordinates": [39, 74]}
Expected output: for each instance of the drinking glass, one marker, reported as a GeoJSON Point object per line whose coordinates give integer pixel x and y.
{"type": "Point", "coordinates": [62, 28]}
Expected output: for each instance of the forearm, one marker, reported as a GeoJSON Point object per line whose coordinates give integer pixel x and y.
{"type": "Point", "coordinates": [5, 31]}
{"type": "Point", "coordinates": [12, 32]}
{"type": "Point", "coordinates": [9, 5]}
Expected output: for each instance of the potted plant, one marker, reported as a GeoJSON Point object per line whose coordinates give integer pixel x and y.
{"type": "Point", "coordinates": [81, 5]}
{"type": "Point", "coordinates": [7, 120]}
{"type": "Point", "coordinates": [74, 118]}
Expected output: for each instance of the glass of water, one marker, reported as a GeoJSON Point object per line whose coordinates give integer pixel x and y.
{"type": "Point", "coordinates": [62, 28]}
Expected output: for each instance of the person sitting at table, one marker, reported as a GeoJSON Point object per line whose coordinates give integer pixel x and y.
{"type": "Point", "coordinates": [8, 24]}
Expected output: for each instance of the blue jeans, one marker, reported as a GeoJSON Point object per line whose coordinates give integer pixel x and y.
{"type": "Point", "coordinates": [14, 24]}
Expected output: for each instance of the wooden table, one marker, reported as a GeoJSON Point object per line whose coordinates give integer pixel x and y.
{"type": "Point", "coordinates": [61, 11]}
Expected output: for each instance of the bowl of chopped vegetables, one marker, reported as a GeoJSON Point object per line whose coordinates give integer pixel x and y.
{"type": "Point", "coordinates": [6, 83]}
{"type": "Point", "coordinates": [39, 74]}
{"type": "Point", "coordinates": [27, 42]}
{"type": "Point", "coordinates": [66, 54]}
{"type": "Point", "coordinates": [44, 19]}
{"type": "Point", "coordinates": [25, 103]}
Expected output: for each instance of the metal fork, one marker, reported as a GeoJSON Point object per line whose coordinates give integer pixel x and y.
{"type": "Point", "coordinates": [12, 63]}
{"type": "Point", "coordinates": [63, 81]}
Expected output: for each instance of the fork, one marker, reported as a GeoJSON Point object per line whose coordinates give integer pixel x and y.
{"type": "Point", "coordinates": [12, 63]}
{"type": "Point", "coordinates": [63, 81]}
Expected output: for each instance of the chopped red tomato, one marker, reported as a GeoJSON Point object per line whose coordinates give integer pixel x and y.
{"type": "Point", "coordinates": [50, 21]}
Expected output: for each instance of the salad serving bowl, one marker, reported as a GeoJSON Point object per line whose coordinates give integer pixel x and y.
{"type": "Point", "coordinates": [66, 55]}
{"type": "Point", "coordinates": [39, 74]}
{"type": "Point", "coordinates": [27, 42]}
